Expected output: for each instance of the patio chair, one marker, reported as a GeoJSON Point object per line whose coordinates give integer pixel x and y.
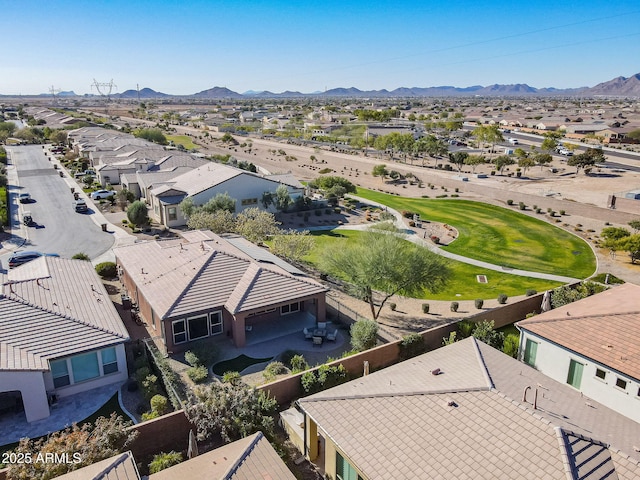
{"type": "Point", "coordinates": [322, 325]}
{"type": "Point", "coordinates": [307, 334]}
{"type": "Point", "coordinates": [317, 341]}
{"type": "Point", "coordinates": [332, 335]}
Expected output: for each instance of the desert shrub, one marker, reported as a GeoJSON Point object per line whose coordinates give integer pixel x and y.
{"type": "Point", "coordinates": [454, 306]}
{"type": "Point", "coordinates": [198, 374]}
{"type": "Point", "coordinates": [298, 364]}
{"type": "Point", "coordinates": [309, 382]}
{"type": "Point", "coordinates": [407, 214]}
{"type": "Point", "coordinates": [522, 206]}
{"type": "Point", "coordinates": [106, 269]}
{"type": "Point", "coordinates": [392, 306]}
{"type": "Point", "coordinates": [425, 308]}
{"type": "Point", "coordinates": [232, 377]}
{"type": "Point", "coordinates": [164, 460]}
{"type": "Point", "coordinates": [465, 327]}
{"type": "Point", "coordinates": [412, 345]}
{"type": "Point", "coordinates": [502, 298]}
{"type": "Point", "coordinates": [81, 256]}
{"type": "Point", "coordinates": [509, 202]}
{"type": "Point", "coordinates": [485, 332]}
{"type": "Point", "coordinates": [159, 404]}
{"type": "Point", "coordinates": [274, 369]}
{"type": "Point", "coordinates": [364, 335]}
{"type": "Point", "coordinates": [191, 358]}
{"type": "Point", "coordinates": [530, 292]}
{"type": "Point", "coordinates": [479, 303]}
{"type": "Point", "coordinates": [435, 239]}
{"type": "Point", "coordinates": [150, 386]}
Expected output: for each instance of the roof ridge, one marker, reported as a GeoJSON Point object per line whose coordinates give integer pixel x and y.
{"type": "Point", "coordinates": [564, 453]}
{"type": "Point", "coordinates": [252, 273]}
{"type": "Point", "coordinates": [399, 394]}
{"type": "Point", "coordinates": [483, 365]}
{"type": "Point", "coordinates": [532, 320]}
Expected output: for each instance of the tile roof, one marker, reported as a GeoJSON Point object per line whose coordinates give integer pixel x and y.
{"type": "Point", "coordinates": [604, 327]}
{"type": "Point", "coordinates": [204, 177]}
{"type": "Point", "coordinates": [118, 467]}
{"type": "Point", "coordinates": [469, 422]}
{"type": "Point", "coordinates": [251, 458]}
{"type": "Point", "coordinates": [53, 307]}
{"type": "Point", "coordinates": [205, 271]}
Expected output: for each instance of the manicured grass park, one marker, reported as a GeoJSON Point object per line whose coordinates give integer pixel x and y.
{"type": "Point", "coordinates": [183, 140]}
{"type": "Point", "coordinates": [500, 236]}
{"type": "Point", "coordinates": [463, 284]}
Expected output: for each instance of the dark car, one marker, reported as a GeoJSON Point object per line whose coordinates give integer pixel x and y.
{"type": "Point", "coordinates": [24, 198]}
{"type": "Point", "coordinates": [20, 258]}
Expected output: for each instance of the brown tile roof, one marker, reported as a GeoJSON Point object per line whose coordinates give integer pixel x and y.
{"type": "Point", "coordinates": [469, 422]}
{"type": "Point", "coordinates": [118, 467]}
{"type": "Point", "coordinates": [604, 327]}
{"type": "Point", "coordinates": [204, 271]}
{"type": "Point", "coordinates": [54, 307]}
{"type": "Point", "coordinates": [251, 458]}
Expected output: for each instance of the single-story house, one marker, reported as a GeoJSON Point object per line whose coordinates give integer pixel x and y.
{"type": "Point", "coordinates": [591, 345]}
{"type": "Point", "coordinates": [205, 285]}
{"type": "Point", "coordinates": [204, 183]}
{"type": "Point", "coordinates": [464, 411]}
{"type": "Point", "coordinates": [59, 334]}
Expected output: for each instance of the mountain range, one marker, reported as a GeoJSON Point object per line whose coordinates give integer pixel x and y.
{"type": "Point", "coordinates": [620, 86]}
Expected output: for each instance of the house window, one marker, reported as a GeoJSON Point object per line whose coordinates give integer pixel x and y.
{"type": "Point", "coordinates": [248, 201]}
{"type": "Point", "coordinates": [215, 323]}
{"type": "Point", "coordinates": [198, 327]}
{"type": "Point", "coordinates": [172, 213]}
{"type": "Point", "coordinates": [261, 312]}
{"type": "Point", "coordinates": [109, 361]}
{"type": "Point", "coordinates": [179, 332]}
{"type": "Point", "coordinates": [620, 383]}
{"type": "Point", "coordinates": [60, 373]}
{"type": "Point", "coordinates": [574, 377]}
{"type": "Point", "coordinates": [601, 373]}
{"type": "Point", "coordinates": [85, 367]}
{"type": "Point", "coordinates": [344, 470]}
{"type": "Point", "coordinates": [291, 308]}
{"type": "Point", "coordinates": [530, 350]}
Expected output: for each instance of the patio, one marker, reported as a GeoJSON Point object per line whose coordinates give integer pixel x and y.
{"type": "Point", "coordinates": [64, 413]}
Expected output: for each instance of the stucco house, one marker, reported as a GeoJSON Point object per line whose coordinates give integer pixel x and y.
{"type": "Point", "coordinates": [591, 345]}
{"type": "Point", "coordinates": [464, 411]}
{"type": "Point", "coordinates": [205, 285]}
{"type": "Point", "coordinates": [207, 181]}
{"type": "Point", "coordinates": [59, 334]}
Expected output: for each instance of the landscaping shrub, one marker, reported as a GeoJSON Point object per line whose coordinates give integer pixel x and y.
{"type": "Point", "coordinates": [530, 292]}
{"type": "Point", "coordinates": [232, 377]}
{"type": "Point", "coordinates": [392, 306]}
{"type": "Point", "coordinates": [364, 335]}
{"type": "Point", "coordinates": [106, 269]}
{"type": "Point", "coordinates": [298, 364]}
{"type": "Point", "coordinates": [81, 256]}
{"type": "Point", "coordinates": [479, 303]}
{"type": "Point", "coordinates": [522, 206]}
{"type": "Point", "coordinates": [309, 382]}
{"type": "Point", "coordinates": [435, 239]}
{"type": "Point", "coordinates": [502, 298]}
{"type": "Point", "coordinates": [425, 308]}
{"type": "Point", "coordinates": [510, 345]}
{"type": "Point", "coordinates": [191, 358]}
{"type": "Point", "coordinates": [159, 404]}
{"type": "Point", "coordinates": [485, 332]}
{"type": "Point", "coordinates": [412, 345]}
{"type": "Point", "coordinates": [454, 306]}
{"type": "Point", "coordinates": [150, 386]}
{"type": "Point", "coordinates": [198, 374]}
{"type": "Point", "coordinates": [465, 327]}
{"type": "Point", "coordinates": [561, 212]}
{"type": "Point", "coordinates": [407, 214]}
{"type": "Point", "coordinates": [509, 202]}
{"type": "Point", "coordinates": [274, 369]}
{"type": "Point", "coordinates": [164, 460]}
{"type": "Point", "coordinates": [330, 376]}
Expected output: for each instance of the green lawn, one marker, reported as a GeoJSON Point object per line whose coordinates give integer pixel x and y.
{"type": "Point", "coordinates": [183, 140]}
{"type": "Point", "coordinates": [501, 236]}
{"type": "Point", "coordinates": [237, 364]}
{"type": "Point", "coordinates": [463, 284]}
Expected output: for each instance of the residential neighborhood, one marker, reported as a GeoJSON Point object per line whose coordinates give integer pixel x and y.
{"type": "Point", "coordinates": [236, 289]}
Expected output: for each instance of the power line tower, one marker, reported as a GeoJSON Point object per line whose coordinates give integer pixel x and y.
{"type": "Point", "coordinates": [100, 86]}
{"type": "Point", "coordinates": [54, 91]}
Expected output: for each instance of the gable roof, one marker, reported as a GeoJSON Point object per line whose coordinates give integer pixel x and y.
{"type": "Point", "coordinates": [204, 271]}
{"type": "Point", "coordinates": [118, 467]}
{"type": "Point", "coordinates": [54, 307]}
{"type": "Point", "coordinates": [202, 178]}
{"type": "Point", "coordinates": [604, 327]}
{"type": "Point", "coordinates": [469, 421]}
{"type": "Point", "coordinates": [250, 458]}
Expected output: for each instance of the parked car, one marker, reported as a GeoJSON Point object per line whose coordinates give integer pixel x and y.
{"type": "Point", "coordinates": [80, 205]}
{"type": "Point", "coordinates": [100, 194]}
{"type": "Point", "coordinates": [20, 258]}
{"type": "Point", "coordinates": [24, 197]}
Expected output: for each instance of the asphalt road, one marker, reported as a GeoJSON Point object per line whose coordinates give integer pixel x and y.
{"type": "Point", "coordinates": [57, 228]}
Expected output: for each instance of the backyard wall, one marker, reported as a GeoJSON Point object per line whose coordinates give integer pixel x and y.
{"type": "Point", "coordinates": [162, 434]}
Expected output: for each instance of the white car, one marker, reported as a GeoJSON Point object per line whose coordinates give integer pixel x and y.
{"type": "Point", "coordinates": [100, 194]}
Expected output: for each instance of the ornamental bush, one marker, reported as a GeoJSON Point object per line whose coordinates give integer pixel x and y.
{"type": "Point", "coordinates": [106, 269]}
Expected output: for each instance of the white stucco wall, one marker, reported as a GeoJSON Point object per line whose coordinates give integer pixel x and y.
{"type": "Point", "coordinates": [553, 360]}
{"type": "Point", "coordinates": [32, 387]}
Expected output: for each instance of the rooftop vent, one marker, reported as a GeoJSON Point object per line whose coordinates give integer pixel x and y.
{"type": "Point", "coordinates": [437, 371]}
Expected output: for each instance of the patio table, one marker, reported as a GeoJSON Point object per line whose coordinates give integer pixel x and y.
{"type": "Point", "coordinates": [320, 332]}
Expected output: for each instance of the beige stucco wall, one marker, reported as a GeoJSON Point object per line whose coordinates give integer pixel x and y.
{"type": "Point", "coordinates": [34, 392]}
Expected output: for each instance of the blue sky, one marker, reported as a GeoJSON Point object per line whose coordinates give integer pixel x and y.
{"type": "Point", "coordinates": [185, 47]}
